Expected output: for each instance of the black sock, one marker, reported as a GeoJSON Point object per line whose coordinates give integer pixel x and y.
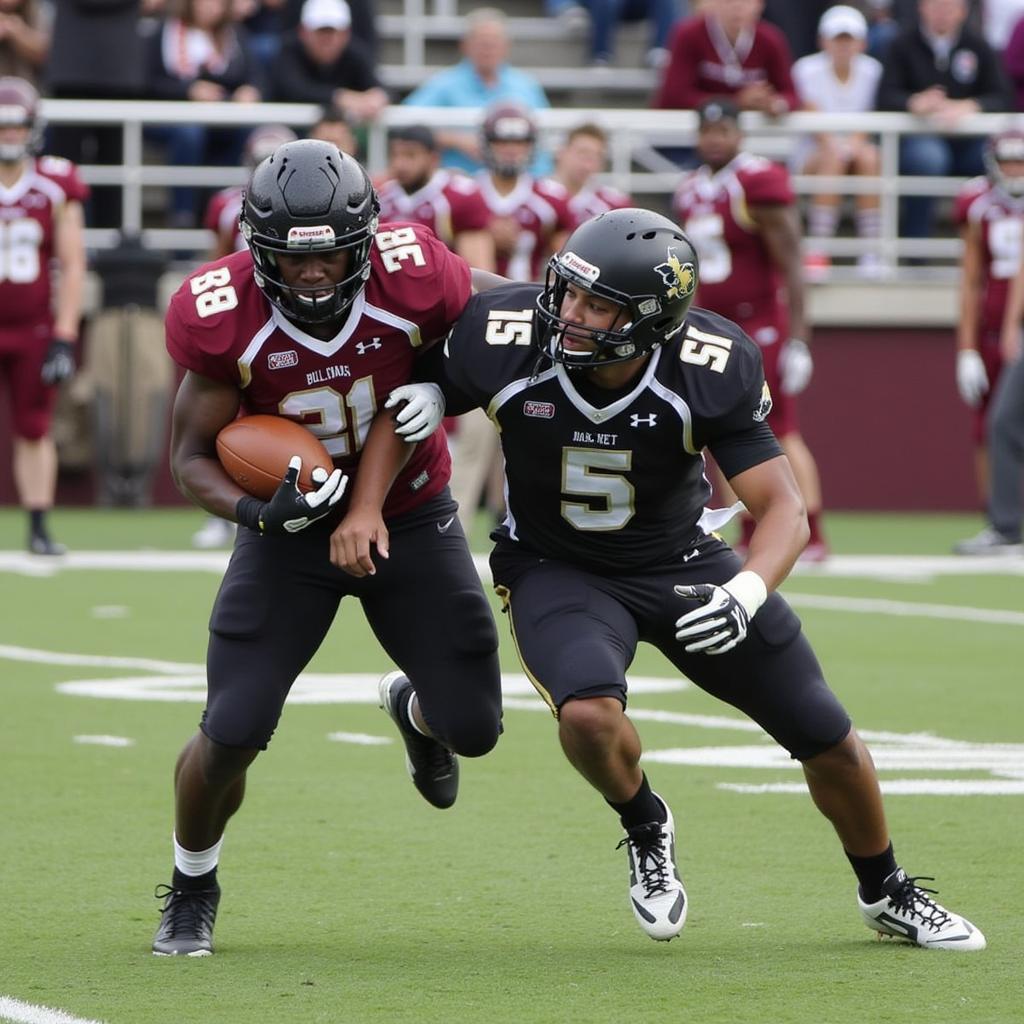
{"type": "Point", "coordinates": [405, 712]}
{"type": "Point", "coordinates": [37, 521]}
{"type": "Point", "coordinates": [193, 883]}
{"type": "Point", "coordinates": [872, 872]}
{"type": "Point", "coordinates": [643, 808]}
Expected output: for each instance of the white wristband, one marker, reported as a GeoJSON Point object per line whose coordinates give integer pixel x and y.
{"type": "Point", "coordinates": [749, 589]}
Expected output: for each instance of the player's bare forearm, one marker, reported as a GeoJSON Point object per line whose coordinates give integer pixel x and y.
{"type": "Point", "coordinates": [970, 290]}
{"type": "Point", "coordinates": [477, 249]}
{"type": "Point", "coordinates": [383, 457]}
{"type": "Point", "coordinates": [484, 280]}
{"type": "Point", "coordinates": [201, 408]}
{"type": "Point", "coordinates": [773, 498]}
{"type": "Point", "coordinates": [70, 252]}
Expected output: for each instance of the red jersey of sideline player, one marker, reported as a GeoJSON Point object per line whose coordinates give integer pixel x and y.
{"type": "Point", "coordinates": [594, 199]}
{"type": "Point", "coordinates": [220, 325]}
{"type": "Point", "coordinates": [221, 216]}
{"type": "Point", "coordinates": [448, 204]}
{"type": "Point", "coordinates": [738, 278]}
{"type": "Point", "coordinates": [998, 218]}
{"type": "Point", "coordinates": [541, 209]}
{"type": "Point", "coordinates": [28, 212]}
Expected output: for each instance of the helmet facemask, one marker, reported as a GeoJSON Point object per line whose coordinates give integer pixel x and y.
{"type": "Point", "coordinates": [19, 103]}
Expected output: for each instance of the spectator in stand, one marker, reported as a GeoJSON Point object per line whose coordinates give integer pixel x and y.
{"type": "Point", "coordinates": [483, 77]}
{"type": "Point", "coordinates": [883, 27]}
{"type": "Point", "coordinates": [583, 156]}
{"type": "Point", "coordinates": [270, 21]}
{"type": "Point", "coordinates": [322, 63]}
{"type": "Point", "coordinates": [332, 126]}
{"type": "Point", "coordinates": [24, 39]}
{"type": "Point", "coordinates": [942, 71]}
{"type": "Point", "coordinates": [416, 189]}
{"type": "Point", "coordinates": [202, 55]}
{"type": "Point", "coordinates": [605, 16]}
{"type": "Point", "coordinates": [990, 213]}
{"type": "Point", "coordinates": [95, 53]}
{"type": "Point", "coordinates": [739, 212]}
{"type": "Point", "coordinates": [841, 78]}
{"type": "Point", "coordinates": [728, 51]}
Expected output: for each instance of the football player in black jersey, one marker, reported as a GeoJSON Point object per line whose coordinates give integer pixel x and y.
{"type": "Point", "coordinates": [606, 387]}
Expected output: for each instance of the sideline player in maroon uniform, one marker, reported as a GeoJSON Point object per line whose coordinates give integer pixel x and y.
{"type": "Point", "coordinates": [738, 210]}
{"type": "Point", "coordinates": [530, 215]}
{"type": "Point", "coordinates": [990, 213]}
{"type": "Point", "coordinates": [606, 388]}
{"type": "Point", "coordinates": [417, 189]}
{"type": "Point", "coordinates": [583, 156]}
{"type": "Point", "coordinates": [319, 321]}
{"type": "Point", "coordinates": [40, 220]}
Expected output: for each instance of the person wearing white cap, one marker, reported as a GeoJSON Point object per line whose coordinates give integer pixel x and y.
{"type": "Point", "coordinates": [323, 64]}
{"type": "Point", "coordinates": [841, 78]}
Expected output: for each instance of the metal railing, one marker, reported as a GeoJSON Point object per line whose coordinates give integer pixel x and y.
{"type": "Point", "coordinates": [637, 162]}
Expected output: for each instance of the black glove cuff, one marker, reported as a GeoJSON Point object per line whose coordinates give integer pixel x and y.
{"type": "Point", "coordinates": [248, 512]}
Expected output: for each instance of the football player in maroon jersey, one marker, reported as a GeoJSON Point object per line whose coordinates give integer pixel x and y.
{"type": "Point", "coordinates": [990, 212]}
{"type": "Point", "coordinates": [738, 210]}
{"type": "Point", "coordinates": [320, 320]}
{"type": "Point", "coordinates": [579, 160]}
{"type": "Point", "coordinates": [41, 220]}
{"type": "Point", "coordinates": [417, 189]}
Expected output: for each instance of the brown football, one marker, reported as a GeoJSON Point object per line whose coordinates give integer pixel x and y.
{"type": "Point", "coordinates": [255, 451]}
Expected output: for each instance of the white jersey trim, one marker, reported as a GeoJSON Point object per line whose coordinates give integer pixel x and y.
{"type": "Point", "coordinates": [331, 346]}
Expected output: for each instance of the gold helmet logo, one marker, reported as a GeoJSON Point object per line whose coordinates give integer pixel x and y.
{"type": "Point", "coordinates": [680, 278]}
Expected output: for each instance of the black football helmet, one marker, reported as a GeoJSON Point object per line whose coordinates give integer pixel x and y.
{"type": "Point", "coordinates": [309, 196]}
{"type": "Point", "coordinates": [1006, 147]}
{"type": "Point", "coordinates": [19, 105]}
{"type": "Point", "coordinates": [637, 258]}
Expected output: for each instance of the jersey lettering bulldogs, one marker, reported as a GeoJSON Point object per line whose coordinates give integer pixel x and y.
{"type": "Point", "coordinates": [28, 213]}
{"type": "Point", "coordinates": [611, 479]}
{"type": "Point", "coordinates": [220, 325]}
{"type": "Point", "coordinates": [738, 278]}
{"type": "Point", "coordinates": [448, 204]}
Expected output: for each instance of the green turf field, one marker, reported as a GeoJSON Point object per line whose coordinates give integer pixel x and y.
{"type": "Point", "coordinates": [348, 899]}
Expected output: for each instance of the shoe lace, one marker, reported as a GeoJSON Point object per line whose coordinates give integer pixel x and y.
{"type": "Point", "coordinates": [911, 898]}
{"type": "Point", "coordinates": [651, 857]}
{"type": "Point", "coordinates": [186, 912]}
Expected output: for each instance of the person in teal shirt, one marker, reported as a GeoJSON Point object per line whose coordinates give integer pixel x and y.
{"type": "Point", "coordinates": [482, 77]}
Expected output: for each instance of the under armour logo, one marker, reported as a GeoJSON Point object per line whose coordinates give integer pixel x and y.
{"type": "Point", "coordinates": [362, 347]}
{"type": "Point", "coordinates": [635, 420]}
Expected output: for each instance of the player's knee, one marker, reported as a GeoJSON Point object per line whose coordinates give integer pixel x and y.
{"type": "Point", "coordinates": [594, 720]}
{"type": "Point", "coordinates": [221, 765]}
{"type": "Point", "coordinates": [847, 757]}
{"type": "Point", "coordinates": [476, 738]}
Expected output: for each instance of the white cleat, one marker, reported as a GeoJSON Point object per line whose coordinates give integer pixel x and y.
{"type": "Point", "coordinates": [906, 911]}
{"type": "Point", "coordinates": [656, 891]}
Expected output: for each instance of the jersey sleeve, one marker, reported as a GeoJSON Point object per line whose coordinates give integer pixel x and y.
{"type": "Point", "coordinates": [767, 186]}
{"type": "Point", "coordinates": [201, 346]}
{"type": "Point", "coordinates": [965, 200]}
{"type": "Point", "coordinates": [65, 174]}
{"type": "Point", "coordinates": [469, 211]}
{"type": "Point", "coordinates": [423, 279]}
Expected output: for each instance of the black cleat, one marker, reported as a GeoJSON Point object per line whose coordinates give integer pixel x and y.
{"type": "Point", "coordinates": [186, 924]}
{"type": "Point", "coordinates": [433, 768]}
{"type": "Point", "coordinates": [41, 544]}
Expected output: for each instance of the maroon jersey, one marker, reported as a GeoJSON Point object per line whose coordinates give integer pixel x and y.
{"type": "Point", "coordinates": [541, 208]}
{"type": "Point", "coordinates": [220, 325]}
{"type": "Point", "coordinates": [738, 278]}
{"type": "Point", "coordinates": [448, 204]}
{"type": "Point", "coordinates": [1001, 221]}
{"type": "Point", "coordinates": [28, 217]}
{"type": "Point", "coordinates": [221, 216]}
{"type": "Point", "coordinates": [703, 63]}
{"type": "Point", "coordinates": [594, 199]}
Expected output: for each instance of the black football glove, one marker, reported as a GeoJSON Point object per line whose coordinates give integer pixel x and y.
{"type": "Point", "coordinates": [59, 364]}
{"type": "Point", "coordinates": [725, 611]}
{"type": "Point", "coordinates": [289, 510]}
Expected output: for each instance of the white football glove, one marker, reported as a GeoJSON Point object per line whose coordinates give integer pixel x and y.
{"type": "Point", "coordinates": [971, 376]}
{"type": "Point", "coordinates": [422, 412]}
{"type": "Point", "coordinates": [721, 621]}
{"type": "Point", "coordinates": [796, 366]}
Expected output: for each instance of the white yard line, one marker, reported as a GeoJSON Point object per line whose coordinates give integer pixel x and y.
{"type": "Point", "coordinates": [29, 1013]}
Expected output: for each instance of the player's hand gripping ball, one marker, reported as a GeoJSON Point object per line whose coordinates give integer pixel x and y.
{"type": "Point", "coordinates": [255, 451]}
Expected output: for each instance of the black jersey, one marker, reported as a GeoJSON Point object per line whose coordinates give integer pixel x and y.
{"type": "Point", "coordinates": [609, 479]}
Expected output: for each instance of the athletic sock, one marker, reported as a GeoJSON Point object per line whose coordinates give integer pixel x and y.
{"type": "Point", "coordinates": [643, 808]}
{"type": "Point", "coordinates": [195, 865]}
{"type": "Point", "coordinates": [869, 222]}
{"type": "Point", "coordinates": [193, 883]}
{"type": "Point", "coordinates": [871, 872]}
{"type": "Point", "coordinates": [37, 521]}
{"type": "Point", "coordinates": [822, 220]}
{"type": "Point", "coordinates": [406, 717]}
